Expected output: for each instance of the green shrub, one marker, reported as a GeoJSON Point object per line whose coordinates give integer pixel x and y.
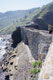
{"type": "Point", "coordinates": [49, 27]}
{"type": "Point", "coordinates": [38, 70]}
{"type": "Point", "coordinates": [34, 64]}
{"type": "Point", "coordinates": [31, 71]}
{"type": "Point", "coordinates": [34, 71]}
{"type": "Point", "coordinates": [32, 78]}
{"type": "Point", "coordinates": [39, 63]}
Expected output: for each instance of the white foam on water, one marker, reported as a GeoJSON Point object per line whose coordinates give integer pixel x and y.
{"type": "Point", "coordinates": [2, 47]}
{"type": "Point", "coordinates": [2, 52]}
{"type": "Point", "coordinates": [1, 38]}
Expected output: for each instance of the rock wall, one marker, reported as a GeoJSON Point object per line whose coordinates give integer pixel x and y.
{"type": "Point", "coordinates": [38, 41]}
{"type": "Point", "coordinates": [16, 37]}
{"type": "Point", "coordinates": [46, 72]}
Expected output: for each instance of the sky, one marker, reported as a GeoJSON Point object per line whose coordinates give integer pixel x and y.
{"type": "Point", "coordinates": [8, 5]}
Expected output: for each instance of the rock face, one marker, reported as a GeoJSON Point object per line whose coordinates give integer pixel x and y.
{"type": "Point", "coordinates": [32, 25]}
{"type": "Point", "coordinates": [16, 36]}
{"type": "Point", "coordinates": [49, 17]}
{"type": "Point", "coordinates": [28, 43]}
{"type": "Point", "coordinates": [38, 41]}
{"type": "Point", "coordinates": [47, 68]}
{"type": "Point", "coordinates": [21, 63]}
{"type": "Point", "coordinates": [42, 24]}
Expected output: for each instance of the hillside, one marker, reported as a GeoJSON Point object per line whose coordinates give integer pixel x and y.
{"type": "Point", "coordinates": [45, 15]}
{"type": "Point", "coordinates": [12, 19]}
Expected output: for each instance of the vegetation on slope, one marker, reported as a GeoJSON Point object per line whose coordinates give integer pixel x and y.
{"type": "Point", "coordinates": [12, 19]}
{"type": "Point", "coordinates": [46, 15]}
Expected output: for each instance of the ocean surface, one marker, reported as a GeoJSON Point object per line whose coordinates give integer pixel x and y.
{"type": "Point", "coordinates": [3, 42]}
{"type": "Point", "coordinates": [2, 47]}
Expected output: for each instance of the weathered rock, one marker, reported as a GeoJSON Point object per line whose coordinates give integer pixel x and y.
{"type": "Point", "coordinates": [46, 76]}
{"type": "Point", "coordinates": [4, 67]}
{"type": "Point", "coordinates": [30, 43]}
{"type": "Point", "coordinates": [16, 36]}
{"type": "Point", "coordinates": [38, 41]}
{"type": "Point", "coordinates": [47, 68]}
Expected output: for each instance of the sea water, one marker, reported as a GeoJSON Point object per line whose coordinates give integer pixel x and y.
{"type": "Point", "coordinates": [2, 47]}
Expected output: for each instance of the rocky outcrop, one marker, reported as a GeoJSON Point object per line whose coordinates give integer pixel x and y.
{"type": "Point", "coordinates": [42, 24]}
{"type": "Point", "coordinates": [18, 65]}
{"type": "Point", "coordinates": [22, 63]}
{"type": "Point", "coordinates": [47, 68]}
{"type": "Point", "coordinates": [33, 42]}
{"type": "Point", "coordinates": [38, 41]}
{"type": "Point", "coordinates": [16, 36]}
{"type": "Point", "coordinates": [28, 43]}
{"type": "Point", "coordinates": [32, 25]}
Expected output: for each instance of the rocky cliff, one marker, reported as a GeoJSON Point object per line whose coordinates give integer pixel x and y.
{"type": "Point", "coordinates": [28, 44]}
{"type": "Point", "coordinates": [47, 68]}
{"type": "Point", "coordinates": [37, 40]}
